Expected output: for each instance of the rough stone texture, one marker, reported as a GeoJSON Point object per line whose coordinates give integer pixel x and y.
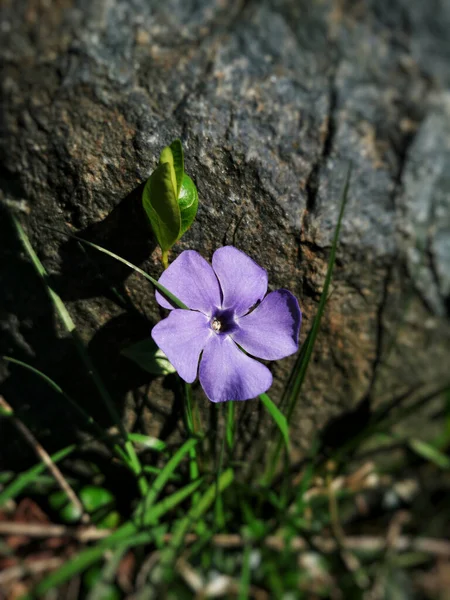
{"type": "Point", "coordinates": [270, 98]}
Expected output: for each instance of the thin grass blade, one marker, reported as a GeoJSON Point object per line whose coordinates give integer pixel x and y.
{"type": "Point", "coordinates": [153, 281]}
{"type": "Point", "coordinates": [309, 346]}
{"type": "Point", "coordinates": [277, 416]}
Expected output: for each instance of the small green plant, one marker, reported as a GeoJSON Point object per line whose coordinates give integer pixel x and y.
{"type": "Point", "coordinates": [170, 199]}
{"type": "Point", "coordinates": [201, 524]}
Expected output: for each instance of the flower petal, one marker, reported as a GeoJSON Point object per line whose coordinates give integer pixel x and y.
{"type": "Point", "coordinates": [271, 330]}
{"type": "Point", "coordinates": [242, 281]}
{"type": "Point", "coordinates": [226, 373]}
{"type": "Point", "coordinates": [182, 336]}
{"type": "Point", "coordinates": [192, 280]}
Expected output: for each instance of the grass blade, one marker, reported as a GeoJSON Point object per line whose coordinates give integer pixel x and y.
{"type": "Point", "coordinates": [244, 584]}
{"type": "Point", "coordinates": [153, 281]}
{"type": "Point", "coordinates": [277, 416]}
{"type": "Point", "coordinates": [182, 527]}
{"type": "Point", "coordinates": [430, 453]}
{"type": "Point", "coordinates": [164, 477]}
{"type": "Point", "coordinates": [170, 502]}
{"type": "Point", "coordinates": [309, 346]}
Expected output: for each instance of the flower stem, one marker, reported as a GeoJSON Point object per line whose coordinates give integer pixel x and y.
{"type": "Point", "coordinates": [165, 258]}
{"type": "Point", "coordinates": [192, 425]}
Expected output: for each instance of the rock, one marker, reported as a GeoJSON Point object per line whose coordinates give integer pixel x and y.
{"type": "Point", "coordinates": [271, 99]}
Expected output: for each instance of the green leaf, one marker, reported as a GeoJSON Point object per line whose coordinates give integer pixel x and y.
{"type": "Point", "coordinates": [430, 453]}
{"type": "Point", "coordinates": [68, 512]}
{"type": "Point", "coordinates": [188, 203]}
{"type": "Point", "coordinates": [149, 357]}
{"type": "Point", "coordinates": [277, 416]}
{"type": "Point", "coordinates": [159, 199]}
{"type": "Point", "coordinates": [173, 155]}
{"type": "Point", "coordinates": [94, 497]}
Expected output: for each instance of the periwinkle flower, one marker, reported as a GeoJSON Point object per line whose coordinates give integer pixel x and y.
{"type": "Point", "coordinates": [230, 320]}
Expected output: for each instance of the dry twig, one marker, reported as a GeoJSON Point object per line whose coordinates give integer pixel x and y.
{"type": "Point", "coordinates": [46, 459]}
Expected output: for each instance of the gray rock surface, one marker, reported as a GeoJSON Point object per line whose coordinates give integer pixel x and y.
{"type": "Point", "coordinates": [270, 99]}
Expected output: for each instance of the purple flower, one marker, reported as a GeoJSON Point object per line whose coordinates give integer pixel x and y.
{"type": "Point", "coordinates": [221, 323]}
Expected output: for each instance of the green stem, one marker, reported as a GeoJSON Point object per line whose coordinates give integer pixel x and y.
{"type": "Point", "coordinates": [192, 429]}
{"type": "Point", "coordinates": [230, 425]}
{"type": "Point", "coordinates": [165, 258]}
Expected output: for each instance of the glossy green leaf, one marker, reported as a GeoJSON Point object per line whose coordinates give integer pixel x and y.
{"type": "Point", "coordinates": [188, 203]}
{"type": "Point", "coordinates": [160, 203]}
{"type": "Point", "coordinates": [149, 357]}
{"type": "Point", "coordinates": [173, 155]}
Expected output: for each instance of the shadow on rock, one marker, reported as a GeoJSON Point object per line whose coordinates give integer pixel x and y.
{"type": "Point", "coordinates": [86, 272]}
{"type": "Point", "coordinates": [30, 334]}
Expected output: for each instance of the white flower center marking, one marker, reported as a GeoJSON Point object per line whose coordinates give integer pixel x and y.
{"type": "Point", "coordinates": [216, 325]}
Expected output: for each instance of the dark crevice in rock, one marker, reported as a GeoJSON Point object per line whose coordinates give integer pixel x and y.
{"type": "Point", "coordinates": [402, 154]}
{"type": "Point", "coordinates": [380, 329]}
{"type": "Point", "coordinates": [312, 184]}
{"type": "Point", "coordinates": [433, 270]}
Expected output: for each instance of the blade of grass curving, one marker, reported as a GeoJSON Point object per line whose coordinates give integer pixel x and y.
{"type": "Point", "coordinates": [300, 376]}
{"type": "Point", "coordinates": [429, 452]}
{"type": "Point", "coordinates": [89, 420]}
{"type": "Point", "coordinates": [277, 416]}
{"type": "Point", "coordinates": [156, 283]}
{"type": "Point", "coordinates": [27, 477]}
{"type": "Point", "coordinates": [287, 392]}
{"type": "Point", "coordinates": [311, 339]}
{"type": "Point", "coordinates": [65, 317]}
{"type": "Point", "coordinates": [163, 477]}
{"type": "Point", "coordinates": [170, 502]}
